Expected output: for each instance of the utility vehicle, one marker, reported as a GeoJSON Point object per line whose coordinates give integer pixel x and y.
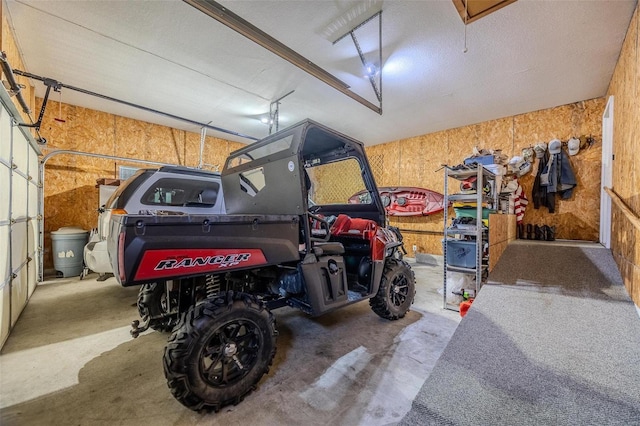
{"type": "Point", "coordinates": [290, 238]}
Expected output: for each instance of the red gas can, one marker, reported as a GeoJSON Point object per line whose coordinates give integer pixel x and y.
{"type": "Point", "coordinates": [464, 307]}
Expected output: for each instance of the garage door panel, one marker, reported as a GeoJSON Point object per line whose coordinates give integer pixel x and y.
{"type": "Point", "coordinates": [18, 245]}
{"type": "Point", "coordinates": [21, 150]}
{"type": "Point", "coordinates": [19, 284]}
{"type": "Point", "coordinates": [5, 300]}
{"type": "Point", "coordinates": [5, 270]}
{"type": "Point", "coordinates": [33, 185]}
{"type": "Point", "coordinates": [19, 198]}
{"type": "Point", "coordinates": [5, 177]}
{"type": "Point", "coordinates": [32, 200]}
{"type": "Point", "coordinates": [19, 292]}
{"type": "Point", "coordinates": [5, 136]}
{"type": "Point", "coordinates": [32, 253]}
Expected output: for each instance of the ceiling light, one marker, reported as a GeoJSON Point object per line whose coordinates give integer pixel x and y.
{"type": "Point", "coordinates": [371, 70]}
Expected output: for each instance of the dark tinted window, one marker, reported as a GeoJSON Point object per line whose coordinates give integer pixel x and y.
{"type": "Point", "coordinates": [181, 192]}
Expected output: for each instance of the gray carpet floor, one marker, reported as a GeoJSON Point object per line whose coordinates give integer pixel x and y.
{"type": "Point", "coordinates": [552, 339]}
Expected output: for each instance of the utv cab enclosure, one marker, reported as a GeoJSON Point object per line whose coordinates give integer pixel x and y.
{"type": "Point", "coordinates": [290, 237]}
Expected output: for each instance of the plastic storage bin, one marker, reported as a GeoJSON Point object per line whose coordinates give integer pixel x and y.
{"type": "Point", "coordinates": [483, 159]}
{"type": "Point", "coordinates": [461, 253]}
{"type": "Point", "coordinates": [472, 212]}
{"type": "Point", "coordinates": [68, 244]}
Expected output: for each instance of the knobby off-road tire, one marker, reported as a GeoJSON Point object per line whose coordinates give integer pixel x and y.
{"type": "Point", "coordinates": [396, 292]}
{"type": "Point", "coordinates": [152, 301]}
{"type": "Point", "coordinates": [220, 351]}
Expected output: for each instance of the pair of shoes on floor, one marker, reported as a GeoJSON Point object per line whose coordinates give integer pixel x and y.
{"type": "Point", "coordinates": [535, 232]}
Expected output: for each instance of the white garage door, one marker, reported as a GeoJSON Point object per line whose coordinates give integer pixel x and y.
{"type": "Point", "coordinates": [19, 225]}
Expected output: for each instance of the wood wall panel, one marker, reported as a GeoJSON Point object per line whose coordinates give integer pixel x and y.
{"type": "Point", "coordinates": [575, 219]}
{"type": "Point", "coordinates": [217, 150]}
{"type": "Point", "coordinates": [8, 45]}
{"type": "Point", "coordinates": [629, 178]}
{"type": "Point", "coordinates": [76, 128]}
{"type": "Point", "coordinates": [625, 238]}
{"type": "Point", "coordinates": [389, 157]}
{"type": "Point", "coordinates": [460, 144]}
{"type": "Point", "coordinates": [502, 230]}
{"type": "Point", "coordinates": [375, 156]}
{"type": "Point", "coordinates": [435, 149]}
{"type": "Point", "coordinates": [411, 164]}
{"type": "Point", "coordinates": [496, 135]}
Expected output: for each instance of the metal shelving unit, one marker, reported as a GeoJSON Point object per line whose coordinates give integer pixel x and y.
{"type": "Point", "coordinates": [480, 235]}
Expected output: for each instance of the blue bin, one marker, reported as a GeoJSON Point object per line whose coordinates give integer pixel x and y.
{"type": "Point", "coordinates": [461, 253]}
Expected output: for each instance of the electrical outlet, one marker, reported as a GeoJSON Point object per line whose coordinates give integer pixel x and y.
{"type": "Point", "coordinates": [415, 248]}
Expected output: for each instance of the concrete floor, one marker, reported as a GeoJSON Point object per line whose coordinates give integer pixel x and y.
{"type": "Point", "coordinates": [70, 360]}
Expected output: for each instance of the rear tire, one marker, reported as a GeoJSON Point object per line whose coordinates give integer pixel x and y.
{"type": "Point", "coordinates": [152, 302]}
{"type": "Point", "coordinates": [220, 351]}
{"type": "Point", "coordinates": [396, 292]}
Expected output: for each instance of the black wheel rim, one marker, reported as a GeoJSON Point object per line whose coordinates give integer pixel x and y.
{"type": "Point", "coordinates": [399, 290]}
{"type": "Point", "coordinates": [230, 353]}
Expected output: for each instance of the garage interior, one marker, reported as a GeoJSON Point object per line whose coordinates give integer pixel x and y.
{"type": "Point", "coordinates": [551, 338]}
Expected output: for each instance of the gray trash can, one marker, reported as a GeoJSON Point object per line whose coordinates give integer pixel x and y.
{"type": "Point", "coordinates": [68, 244]}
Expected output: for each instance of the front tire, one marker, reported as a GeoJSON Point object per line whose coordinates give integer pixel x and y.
{"type": "Point", "coordinates": [219, 353]}
{"type": "Point", "coordinates": [396, 292]}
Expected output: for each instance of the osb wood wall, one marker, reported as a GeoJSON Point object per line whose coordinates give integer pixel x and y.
{"type": "Point", "coordinates": [625, 88]}
{"type": "Point", "coordinates": [418, 162]}
{"type": "Point", "coordinates": [8, 45]}
{"type": "Point", "coordinates": [71, 196]}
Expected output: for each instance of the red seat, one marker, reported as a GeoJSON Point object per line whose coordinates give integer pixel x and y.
{"type": "Point", "coordinates": [344, 226]}
{"type": "Point", "coordinates": [341, 225]}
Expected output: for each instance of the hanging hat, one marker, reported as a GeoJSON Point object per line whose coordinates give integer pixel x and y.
{"type": "Point", "coordinates": [519, 166]}
{"type": "Point", "coordinates": [527, 154]}
{"type": "Point", "coordinates": [540, 149]}
{"type": "Point", "coordinates": [515, 163]}
{"type": "Point", "coordinates": [574, 146]}
{"type": "Point", "coordinates": [555, 146]}
{"type": "Point", "coordinates": [524, 169]}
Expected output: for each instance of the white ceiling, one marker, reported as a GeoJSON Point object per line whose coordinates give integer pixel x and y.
{"type": "Point", "coordinates": [168, 56]}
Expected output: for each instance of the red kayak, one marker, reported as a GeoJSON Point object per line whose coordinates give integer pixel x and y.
{"type": "Point", "coordinates": [404, 200]}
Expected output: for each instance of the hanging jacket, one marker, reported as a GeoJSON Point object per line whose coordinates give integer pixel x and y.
{"type": "Point", "coordinates": [562, 180]}
{"type": "Point", "coordinates": [539, 194]}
